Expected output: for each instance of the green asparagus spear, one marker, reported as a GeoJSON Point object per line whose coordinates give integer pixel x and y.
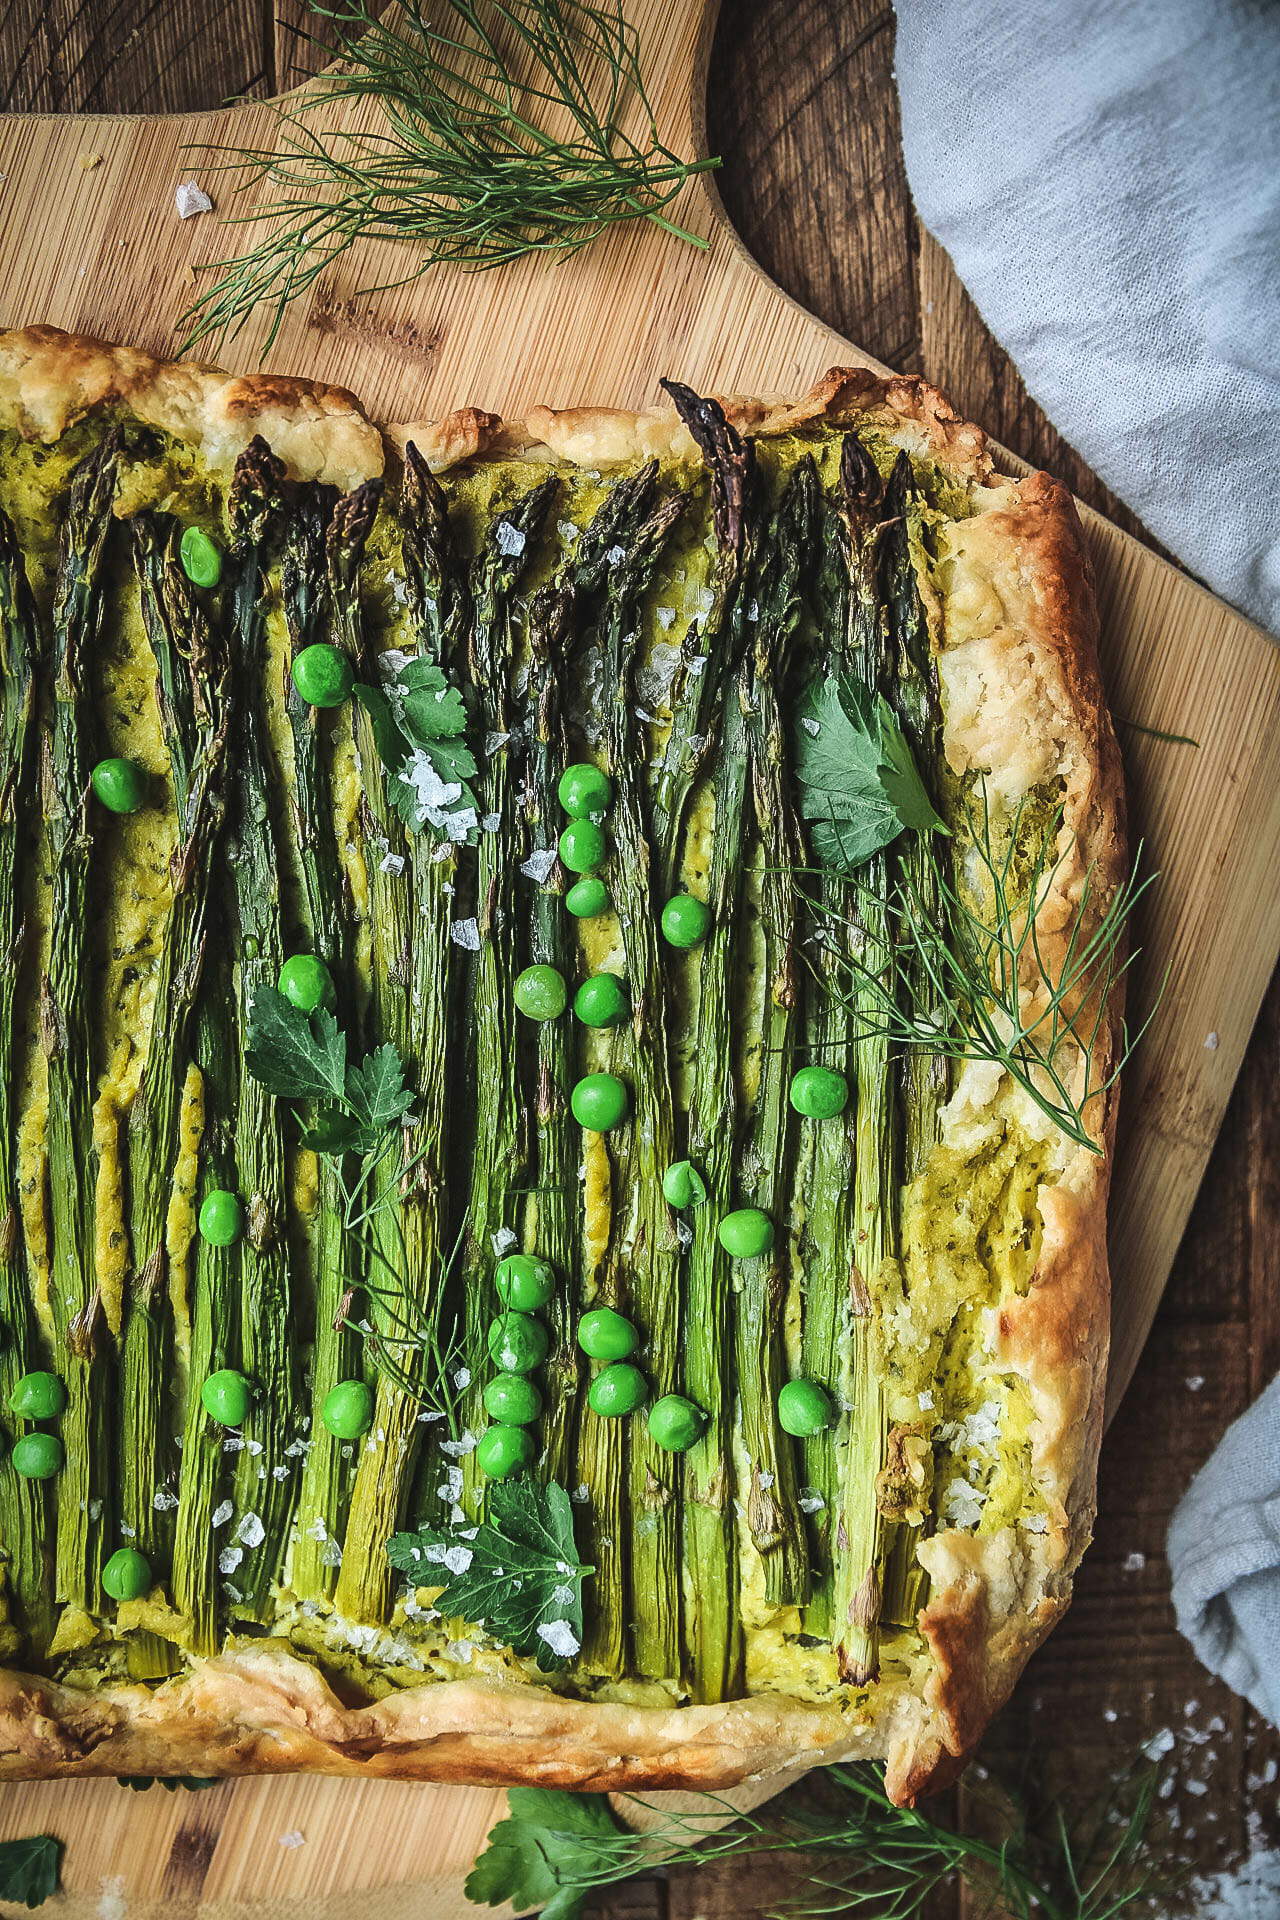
{"type": "Point", "coordinates": [264, 1498]}
{"type": "Point", "coordinates": [326, 1473]}
{"type": "Point", "coordinates": [860, 1531]}
{"type": "Point", "coordinates": [84, 1484]}
{"type": "Point", "coordinates": [24, 1517]}
{"type": "Point", "coordinates": [503, 1128]}
{"type": "Point", "coordinates": [697, 689]}
{"type": "Point", "coordinates": [551, 1228]}
{"type": "Point", "coordinates": [192, 670]}
{"type": "Point", "coordinates": [827, 1248]}
{"type": "Point", "coordinates": [205, 1483]}
{"type": "Point", "coordinates": [773, 1512]}
{"type": "Point", "coordinates": [648, 1231]}
{"type": "Point", "coordinates": [924, 1079]}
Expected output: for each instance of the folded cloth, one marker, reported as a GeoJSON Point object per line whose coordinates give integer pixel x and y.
{"type": "Point", "coordinates": [1224, 1550]}
{"type": "Point", "coordinates": [1107, 181]}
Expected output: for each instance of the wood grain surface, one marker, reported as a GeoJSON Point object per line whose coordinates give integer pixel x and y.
{"type": "Point", "coordinates": [802, 107]}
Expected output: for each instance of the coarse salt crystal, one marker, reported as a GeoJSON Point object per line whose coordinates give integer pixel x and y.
{"type": "Point", "coordinates": [462, 1378]}
{"type": "Point", "coordinates": [665, 617]}
{"type": "Point", "coordinates": [332, 1555]}
{"type": "Point", "coordinates": [190, 199]}
{"type": "Point", "coordinates": [1135, 1562]}
{"type": "Point", "coordinates": [538, 866]}
{"type": "Point", "coordinates": [560, 1637]}
{"type": "Point", "coordinates": [222, 1513]}
{"type": "Point", "coordinates": [567, 531]}
{"type": "Point", "coordinates": [509, 539]}
{"type": "Point", "coordinates": [503, 1240]}
{"type": "Point", "coordinates": [229, 1559]}
{"type": "Point", "coordinates": [251, 1531]}
{"type": "Point", "coordinates": [616, 556]}
{"type": "Point", "coordinates": [466, 933]}
{"type": "Point", "coordinates": [925, 1400]}
{"type": "Point", "coordinates": [765, 1478]}
{"type": "Point", "coordinates": [492, 741]}
{"type": "Point", "coordinates": [1211, 1043]}
{"type": "Point", "coordinates": [1194, 1382]}
{"type": "Point", "coordinates": [164, 1502]}
{"type": "Point", "coordinates": [810, 725]}
{"type": "Point", "coordinates": [391, 863]}
{"type": "Point", "coordinates": [491, 822]}
{"type": "Point", "coordinates": [810, 1502]}
{"type": "Point", "coordinates": [581, 1495]}
{"type": "Point", "coordinates": [294, 1839]}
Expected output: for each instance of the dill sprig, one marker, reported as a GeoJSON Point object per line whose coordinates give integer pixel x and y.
{"type": "Point", "coordinates": [503, 131]}
{"type": "Point", "coordinates": [873, 1856]}
{"type": "Point", "coordinates": [995, 993]}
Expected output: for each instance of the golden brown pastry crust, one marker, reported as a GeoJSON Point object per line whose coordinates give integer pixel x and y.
{"type": "Point", "coordinates": [1023, 702]}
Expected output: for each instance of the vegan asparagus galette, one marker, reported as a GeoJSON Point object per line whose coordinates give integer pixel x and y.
{"type": "Point", "coordinates": [559, 1022]}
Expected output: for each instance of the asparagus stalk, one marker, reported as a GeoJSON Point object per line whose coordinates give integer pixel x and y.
{"type": "Point", "coordinates": [215, 1333]}
{"type": "Point", "coordinates": [412, 974]}
{"type": "Point", "coordinates": [552, 1219]}
{"type": "Point", "coordinates": [713, 1648]}
{"type": "Point", "coordinates": [924, 1077]}
{"type": "Point", "coordinates": [827, 1146]}
{"type": "Point", "coordinates": [501, 1144]}
{"type": "Point", "coordinates": [192, 670]}
{"type": "Point", "coordinates": [773, 1512]}
{"type": "Point", "coordinates": [697, 690]}
{"type": "Point", "coordinates": [24, 1517]}
{"type": "Point", "coordinates": [264, 1498]}
{"type": "Point", "coordinates": [83, 1487]}
{"type": "Point", "coordinates": [648, 1231]}
{"type": "Point", "coordinates": [860, 1531]}
{"type": "Point", "coordinates": [326, 1473]}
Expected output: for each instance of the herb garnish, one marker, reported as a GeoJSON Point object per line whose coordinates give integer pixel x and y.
{"type": "Point", "coordinates": [29, 1869]}
{"type": "Point", "coordinates": [419, 723]}
{"type": "Point", "coordinates": [466, 162]}
{"type": "Point", "coordinates": [858, 784]}
{"type": "Point", "coordinates": [554, 1849]}
{"type": "Point", "coordinates": [517, 1574]}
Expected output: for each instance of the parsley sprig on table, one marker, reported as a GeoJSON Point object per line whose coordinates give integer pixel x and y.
{"type": "Point", "coordinates": [517, 1574]}
{"type": "Point", "coordinates": [554, 1849]}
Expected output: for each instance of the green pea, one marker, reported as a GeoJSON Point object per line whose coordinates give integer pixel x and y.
{"type": "Point", "coordinates": [323, 676]}
{"type": "Point", "coordinates": [587, 899]}
{"type": "Point", "coordinates": [524, 1282]}
{"type": "Point", "coordinates": [607, 1335]}
{"type": "Point", "coordinates": [512, 1400]}
{"type": "Point", "coordinates": [599, 1101]}
{"type": "Point", "coordinates": [306, 982]}
{"type": "Point", "coordinates": [38, 1396]}
{"type": "Point", "coordinates": [225, 1397]}
{"type": "Point", "coordinates": [686, 922]}
{"type": "Point", "coordinates": [541, 993]}
{"type": "Point", "coordinates": [617, 1391]}
{"type": "Point", "coordinates": [201, 558]}
{"type": "Point", "coordinates": [675, 1423]}
{"type": "Point", "coordinates": [127, 1575]}
{"type": "Point", "coordinates": [584, 846]}
{"type": "Point", "coordinates": [221, 1217]}
{"type": "Point", "coordinates": [819, 1093]}
{"type": "Point", "coordinates": [121, 785]}
{"type": "Point", "coordinates": [804, 1408]}
{"type": "Point", "coordinates": [683, 1186]}
{"type": "Point", "coordinates": [348, 1409]}
{"type": "Point", "coordinates": [517, 1343]}
{"type": "Point", "coordinates": [585, 791]}
{"type": "Point", "coordinates": [37, 1456]}
{"type": "Point", "coordinates": [746, 1233]}
{"type": "Point", "coordinates": [505, 1450]}
{"type": "Point", "coordinates": [602, 1001]}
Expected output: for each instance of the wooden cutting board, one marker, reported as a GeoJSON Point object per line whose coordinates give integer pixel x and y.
{"type": "Point", "coordinates": [90, 240]}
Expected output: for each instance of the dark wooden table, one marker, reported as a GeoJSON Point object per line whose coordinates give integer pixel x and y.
{"type": "Point", "coordinates": [803, 109]}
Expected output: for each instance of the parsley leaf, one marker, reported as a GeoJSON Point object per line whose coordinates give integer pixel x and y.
{"type": "Point", "coordinates": [297, 1055]}
{"type": "Point", "coordinates": [419, 722]}
{"type": "Point", "coordinates": [376, 1094]}
{"type": "Point", "coordinates": [858, 784]}
{"type": "Point", "coordinates": [29, 1869]}
{"type": "Point", "coordinates": [549, 1852]}
{"type": "Point", "coordinates": [517, 1574]}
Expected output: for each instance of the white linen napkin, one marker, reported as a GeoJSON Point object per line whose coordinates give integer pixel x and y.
{"type": "Point", "coordinates": [1106, 178]}
{"type": "Point", "coordinates": [1224, 1550]}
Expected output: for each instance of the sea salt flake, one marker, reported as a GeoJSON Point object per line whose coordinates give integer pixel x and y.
{"type": "Point", "coordinates": [251, 1531]}
{"type": "Point", "coordinates": [538, 866]}
{"type": "Point", "coordinates": [665, 616]}
{"type": "Point", "coordinates": [1194, 1382]}
{"type": "Point", "coordinates": [164, 1502]}
{"type": "Point", "coordinates": [332, 1555]}
{"type": "Point", "coordinates": [455, 1448]}
{"type": "Point", "coordinates": [391, 863]}
{"type": "Point", "coordinates": [616, 556]}
{"type": "Point", "coordinates": [925, 1400]}
{"type": "Point", "coordinates": [130, 1533]}
{"type": "Point", "coordinates": [95, 1509]}
{"type": "Point", "coordinates": [563, 1596]}
{"type": "Point", "coordinates": [457, 1559]}
{"type": "Point", "coordinates": [765, 1478]}
{"type": "Point", "coordinates": [560, 1637]}
{"type": "Point", "coordinates": [294, 1839]}
{"type": "Point", "coordinates": [509, 539]}
{"type": "Point", "coordinates": [462, 1378]}
{"type": "Point", "coordinates": [459, 1650]}
{"type": "Point", "coordinates": [279, 1473]}
{"type": "Point", "coordinates": [233, 1443]}
{"type": "Point", "coordinates": [434, 794]}
{"type": "Point", "coordinates": [753, 611]}
{"type": "Point", "coordinates": [653, 681]}
{"type": "Point", "coordinates": [466, 933]}
{"type": "Point", "coordinates": [1036, 1523]}
{"type": "Point", "coordinates": [229, 1559]}
{"type": "Point", "coordinates": [222, 1513]}
{"type": "Point", "coordinates": [1159, 1744]}
{"type": "Point", "coordinates": [503, 1240]}
{"type": "Point", "coordinates": [810, 725]}
{"type": "Point", "coordinates": [581, 1495]}
{"type": "Point", "coordinates": [1135, 1562]}
{"type": "Point", "coordinates": [190, 199]}
{"type": "Point", "coordinates": [317, 1530]}
{"type": "Point", "coordinates": [491, 822]}
{"type": "Point", "coordinates": [567, 531]}
{"type": "Point", "coordinates": [1211, 1043]}
{"type": "Point", "coordinates": [492, 741]}
{"type": "Point", "coordinates": [234, 1593]}
{"type": "Point", "coordinates": [810, 1502]}
{"type": "Point", "coordinates": [254, 1446]}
